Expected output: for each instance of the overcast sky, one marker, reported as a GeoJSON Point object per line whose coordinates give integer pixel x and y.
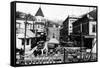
{"type": "Point", "coordinates": [53, 12]}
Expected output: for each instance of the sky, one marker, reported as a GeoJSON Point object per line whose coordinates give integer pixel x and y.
{"type": "Point", "coordinates": [53, 12]}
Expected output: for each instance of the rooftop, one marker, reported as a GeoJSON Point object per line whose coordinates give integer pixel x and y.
{"type": "Point", "coordinates": [39, 12]}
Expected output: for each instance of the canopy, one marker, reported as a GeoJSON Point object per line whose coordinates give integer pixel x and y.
{"type": "Point", "coordinates": [21, 33]}
{"type": "Point", "coordinates": [54, 41]}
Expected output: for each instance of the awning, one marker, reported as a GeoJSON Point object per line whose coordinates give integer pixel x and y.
{"type": "Point", "coordinates": [54, 41]}
{"type": "Point", "coordinates": [21, 33]}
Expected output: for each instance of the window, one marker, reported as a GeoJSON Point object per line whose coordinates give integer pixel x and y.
{"type": "Point", "coordinates": [94, 28]}
{"type": "Point", "coordinates": [27, 42]}
{"type": "Point", "coordinates": [39, 19]}
{"type": "Point", "coordinates": [18, 25]}
{"type": "Point", "coordinates": [38, 26]}
{"type": "Point", "coordinates": [23, 41]}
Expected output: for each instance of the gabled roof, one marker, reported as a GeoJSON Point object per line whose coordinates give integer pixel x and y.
{"type": "Point", "coordinates": [39, 12]}
{"type": "Point", "coordinates": [93, 14]}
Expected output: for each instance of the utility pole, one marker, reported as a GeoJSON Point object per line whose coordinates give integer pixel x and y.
{"type": "Point", "coordinates": [64, 58]}
{"type": "Point", "coordinates": [26, 17]}
{"type": "Point", "coordinates": [81, 34]}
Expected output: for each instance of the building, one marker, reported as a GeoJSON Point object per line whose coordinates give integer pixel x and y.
{"type": "Point", "coordinates": [53, 30]}
{"type": "Point", "coordinates": [21, 40]}
{"type": "Point", "coordinates": [21, 24]}
{"type": "Point", "coordinates": [40, 25]}
{"type": "Point", "coordinates": [67, 29]}
{"type": "Point", "coordinates": [68, 23]}
{"type": "Point", "coordinates": [71, 19]}
{"type": "Point", "coordinates": [84, 30]}
{"type": "Point", "coordinates": [24, 34]}
{"type": "Point", "coordinates": [40, 21]}
{"type": "Point", "coordinates": [21, 19]}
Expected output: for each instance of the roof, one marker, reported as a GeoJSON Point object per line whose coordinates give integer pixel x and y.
{"type": "Point", "coordinates": [39, 12]}
{"type": "Point", "coordinates": [93, 14]}
{"type": "Point", "coordinates": [88, 16]}
{"type": "Point", "coordinates": [21, 33]}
